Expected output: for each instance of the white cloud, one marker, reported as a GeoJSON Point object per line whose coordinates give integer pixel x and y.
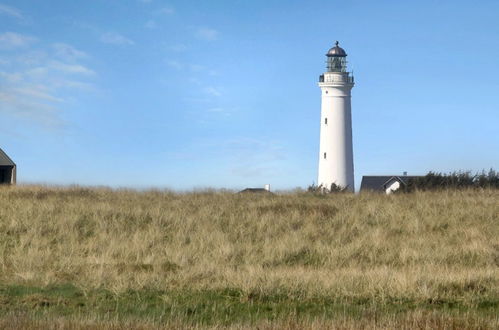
{"type": "Point", "coordinates": [68, 52]}
{"type": "Point", "coordinates": [10, 11]}
{"type": "Point", "coordinates": [212, 91]}
{"type": "Point", "coordinates": [194, 80]}
{"type": "Point", "coordinates": [67, 84]}
{"type": "Point", "coordinates": [71, 68]}
{"type": "Point", "coordinates": [220, 111]}
{"type": "Point", "coordinates": [33, 104]}
{"type": "Point", "coordinates": [11, 40]}
{"type": "Point", "coordinates": [114, 38]}
{"type": "Point", "coordinates": [151, 24]}
{"type": "Point", "coordinates": [175, 64]}
{"type": "Point", "coordinates": [178, 48]}
{"type": "Point", "coordinates": [166, 11]}
{"type": "Point", "coordinates": [196, 67]}
{"type": "Point", "coordinates": [248, 157]}
{"type": "Point", "coordinates": [11, 77]}
{"type": "Point", "coordinates": [202, 68]}
{"type": "Point", "coordinates": [249, 154]}
{"type": "Point", "coordinates": [36, 84]}
{"type": "Point", "coordinates": [207, 34]}
{"type": "Point", "coordinates": [216, 110]}
{"type": "Point", "coordinates": [37, 72]}
{"type": "Point", "coordinates": [36, 92]}
{"type": "Point", "coordinates": [31, 58]}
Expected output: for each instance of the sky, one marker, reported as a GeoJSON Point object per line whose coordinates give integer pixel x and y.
{"type": "Point", "coordinates": [195, 94]}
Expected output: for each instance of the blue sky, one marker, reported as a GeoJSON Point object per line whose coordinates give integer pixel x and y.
{"type": "Point", "coordinates": [191, 94]}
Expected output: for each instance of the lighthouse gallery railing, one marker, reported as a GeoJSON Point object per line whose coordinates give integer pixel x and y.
{"type": "Point", "coordinates": [336, 78]}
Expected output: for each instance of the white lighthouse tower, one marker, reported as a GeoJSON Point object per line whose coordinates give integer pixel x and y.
{"type": "Point", "coordinates": [336, 150]}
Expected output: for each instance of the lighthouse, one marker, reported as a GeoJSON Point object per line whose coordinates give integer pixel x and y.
{"type": "Point", "coordinates": [336, 150]}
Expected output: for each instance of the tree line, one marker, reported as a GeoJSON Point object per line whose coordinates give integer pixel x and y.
{"type": "Point", "coordinates": [453, 180]}
{"type": "Point", "coordinates": [432, 181]}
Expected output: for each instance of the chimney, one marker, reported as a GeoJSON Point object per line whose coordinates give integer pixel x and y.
{"type": "Point", "coordinates": [267, 187]}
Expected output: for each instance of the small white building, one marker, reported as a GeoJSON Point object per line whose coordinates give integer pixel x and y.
{"type": "Point", "coordinates": [265, 190]}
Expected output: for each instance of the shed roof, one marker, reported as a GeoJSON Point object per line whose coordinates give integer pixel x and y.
{"type": "Point", "coordinates": [377, 182]}
{"type": "Point", "coordinates": [5, 160]}
{"type": "Point", "coordinates": [255, 190]}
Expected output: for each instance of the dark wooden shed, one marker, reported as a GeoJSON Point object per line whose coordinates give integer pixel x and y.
{"type": "Point", "coordinates": [7, 169]}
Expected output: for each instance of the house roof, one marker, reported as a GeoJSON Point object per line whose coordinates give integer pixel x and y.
{"type": "Point", "coordinates": [377, 182]}
{"type": "Point", "coordinates": [255, 190]}
{"type": "Point", "coordinates": [5, 160]}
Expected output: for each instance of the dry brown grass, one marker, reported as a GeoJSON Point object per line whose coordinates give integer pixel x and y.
{"type": "Point", "coordinates": [411, 321]}
{"type": "Point", "coordinates": [423, 247]}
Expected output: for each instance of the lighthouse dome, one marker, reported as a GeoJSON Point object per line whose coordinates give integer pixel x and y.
{"type": "Point", "coordinates": [336, 51]}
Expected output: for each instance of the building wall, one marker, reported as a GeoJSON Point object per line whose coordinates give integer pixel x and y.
{"type": "Point", "coordinates": [13, 179]}
{"type": "Point", "coordinates": [391, 187]}
{"type": "Point", "coordinates": [7, 174]}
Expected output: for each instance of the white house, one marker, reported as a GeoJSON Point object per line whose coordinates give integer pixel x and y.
{"type": "Point", "coordinates": [385, 183]}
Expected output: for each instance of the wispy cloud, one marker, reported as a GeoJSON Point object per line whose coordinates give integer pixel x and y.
{"type": "Point", "coordinates": [11, 11]}
{"type": "Point", "coordinates": [151, 24]}
{"type": "Point", "coordinates": [194, 80]}
{"type": "Point", "coordinates": [212, 91]}
{"type": "Point", "coordinates": [37, 92]}
{"type": "Point", "coordinates": [114, 38]}
{"type": "Point", "coordinates": [216, 110]}
{"type": "Point", "coordinates": [36, 82]}
{"type": "Point", "coordinates": [255, 157]}
{"type": "Point", "coordinates": [31, 103]}
{"type": "Point", "coordinates": [246, 157]}
{"type": "Point", "coordinates": [71, 68]}
{"type": "Point", "coordinates": [207, 34]}
{"type": "Point", "coordinates": [202, 68]}
{"type": "Point", "coordinates": [68, 84]}
{"type": "Point", "coordinates": [196, 68]}
{"type": "Point", "coordinates": [12, 40]}
{"type": "Point", "coordinates": [178, 48]}
{"type": "Point", "coordinates": [220, 111]}
{"type": "Point", "coordinates": [11, 77]}
{"type": "Point", "coordinates": [166, 11]}
{"type": "Point", "coordinates": [174, 64]}
{"type": "Point", "coordinates": [68, 52]}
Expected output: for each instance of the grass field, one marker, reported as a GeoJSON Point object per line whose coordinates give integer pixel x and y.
{"type": "Point", "coordinates": [101, 258]}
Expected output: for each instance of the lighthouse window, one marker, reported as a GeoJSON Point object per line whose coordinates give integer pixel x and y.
{"type": "Point", "coordinates": [326, 92]}
{"type": "Point", "coordinates": [324, 155]}
{"type": "Point", "coordinates": [325, 121]}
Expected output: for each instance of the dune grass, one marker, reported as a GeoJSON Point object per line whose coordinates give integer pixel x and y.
{"type": "Point", "coordinates": [102, 258]}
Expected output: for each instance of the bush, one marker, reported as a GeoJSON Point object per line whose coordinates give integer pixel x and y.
{"type": "Point", "coordinates": [313, 188]}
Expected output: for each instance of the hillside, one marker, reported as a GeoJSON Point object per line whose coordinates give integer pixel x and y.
{"type": "Point", "coordinates": [116, 258]}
